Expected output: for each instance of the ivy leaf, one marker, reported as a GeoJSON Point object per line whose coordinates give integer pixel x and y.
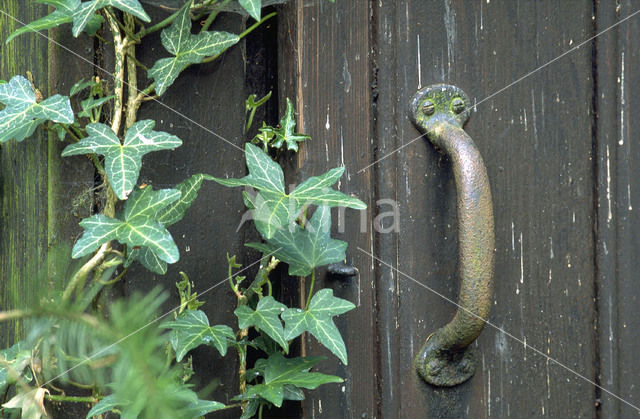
{"type": "Point", "coordinates": [192, 330]}
{"type": "Point", "coordinates": [22, 114]}
{"type": "Point", "coordinates": [31, 403]}
{"type": "Point", "coordinates": [272, 208]}
{"type": "Point", "coordinates": [84, 12]}
{"type": "Point", "coordinates": [252, 7]}
{"type": "Point", "coordinates": [317, 319]}
{"type": "Point", "coordinates": [138, 229]}
{"type": "Point", "coordinates": [99, 229]}
{"type": "Point", "coordinates": [63, 14]}
{"type": "Point", "coordinates": [189, 191]}
{"type": "Point", "coordinates": [308, 248]}
{"type": "Point", "coordinates": [281, 372]}
{"type": "Point", "coordinates": [264, 174]}
{"type": "Point", "coordinates": [265, 318]}
{"type": "Point", "coordinates": [148, 259]}
{"type": "Point", "coordinates": [198, 407]}
{"type": "Point", "coordinates": [285, 133]}
{"type": "Point", "coordinates": [123, 161]}
{"type": "Point", "coordinates": [187, 49]}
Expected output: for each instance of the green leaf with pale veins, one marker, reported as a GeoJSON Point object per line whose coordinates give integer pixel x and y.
{"type": "Point", "coordinates": [139, 228]}
{"type": "Point", "coordinates": [281, 372]}
{"type": "Point", "coordinates": [63, 14]}
{"type": "Point", "coordinates": [272, 208]}
{"type": "Point", "coordinates": [189, 191]}
{"type": "Point", "coordinates": [285, 134]}
{"type": "Point", "coordinates": [192, 329]}
{"type": "Point", "coordinates": [22, 114]}
{"type": "Point", "coordinates": [305, 248]}
{"type": "Point", "coordinates": [265, 318]}
{"type": "Point", "coordinates": [252, 7]}
{"type": "Point", "coordinates": [317, 319]}
{"type": "Point", "coordinates": [83, 14]}
{"type": "Point", "coordinates": [123, 161]}
{"type": "Point", "coordinates": [186, 48]}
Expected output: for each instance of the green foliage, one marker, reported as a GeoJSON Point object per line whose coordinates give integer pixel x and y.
{"type": "Point", "coordinates": [251, 105]}
{"type": "Point", "coordinates": [280, 373]}
{"type": "Point", "coordinates": [13, 365]}
{"type": "Point", "coordinates": [137, 227]}
{"type": "Point", "coordinates": [187, 49]}
{"type": "Point", "coordinates": [317, 319]}
{"type": "Point", "coordinates": [134, 366]}
{"type": "Point", "coordinates": [123, 160]}
{"type": "Point", "coordinates": [252, 7]}
{"type": "Point", "coordinates": [285, 134]}
{"type": "Point", "coordinates": [191, 329]}
{"type": "Point", "coordinates": [84, 12]}
{"type": "Point", "coordinates": [167, 216]}
{"type": "Point", "coordinates": [273, 209]}
{"type": "Point", "coordinates": [64, 13]}
{"type": "Point", "coordinates": [305, 248]}
{"type": "Point", "coordinates": [23, 114]}
{"type": "Point", "coordinates": [264, 318]}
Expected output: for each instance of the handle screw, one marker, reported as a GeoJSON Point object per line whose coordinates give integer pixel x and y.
{"type": "Point", "coordinates": [428, 107]}
{"type": "Point", "coordinates": [457, 105]}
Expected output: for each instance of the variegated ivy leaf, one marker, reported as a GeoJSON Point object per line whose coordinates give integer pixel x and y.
{"type": "Point", "coordinates": [317, 319]}
{"type": "Point", "coordinates": [285, 134]}
{"type": "Point", "coordinates": [273, 209]}
{"type": "Point", "coordinates": [191, 329]}
{"type": "Point", "coordinates": [22, 113]}
{"type": "Point", "coordinates": [169, 215]}
{"type": "Point", "coordinates": [123, 161]}
{"type": "Point", "coordinates": [139, 228]}
{"type": "Point", "coordinates": [187, 49]}
{"type": "Point", "coordinates": [280, 372]}
{"type": "Point", "coordinates": [265, 318]}
{"type": "Point", "coordinates": [252, 7]}
{"type": "Point", "coordinates": [305, 248]}
{"type": "Point", "coordinates": [84, 12]}
{"type": "Point", "coordinates": [64, 13]}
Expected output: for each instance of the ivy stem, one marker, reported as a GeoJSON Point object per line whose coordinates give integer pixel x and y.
{"type": "Point", "coordinates": [243, 34]}
{"type": "Point", "coordinates": [133, 104]}
{"type": "Point", "coordinates": [82, 273]}
{"type": "Point", "coordinates": [313, 280]}
{"type": "Point", "coordinates": [160, 25]}
{"type": "Point", "coordinates": [118, 71]}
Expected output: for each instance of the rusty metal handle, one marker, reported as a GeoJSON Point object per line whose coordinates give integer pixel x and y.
{"type": "Point", "coordinates": [447, 359]}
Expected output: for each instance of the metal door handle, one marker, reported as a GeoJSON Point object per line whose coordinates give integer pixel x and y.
{"type": "Point", "coordinates": [447, 359]}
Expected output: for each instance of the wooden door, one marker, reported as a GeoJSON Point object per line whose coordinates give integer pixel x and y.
{"type": "Point", "coordinates": [555, 120]}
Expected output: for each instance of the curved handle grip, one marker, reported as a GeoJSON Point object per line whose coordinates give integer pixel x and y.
{"type": "Point", "coordinates": [446, 359]}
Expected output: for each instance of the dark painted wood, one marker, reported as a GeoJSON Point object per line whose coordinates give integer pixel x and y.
{"type": "Point", "coordinates": [618, 181]}
{"type": "Point", "coordinates": [326, 72]}
{"type": "Point", "coordinates": [535, 138]}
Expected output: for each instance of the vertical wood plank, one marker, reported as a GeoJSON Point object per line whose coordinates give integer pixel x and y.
{"type": "Point", "coordinates": [618, 180]}
{"type": "Point", "coordinates": [37, 186]}
{"type": "Point", "coordinates": [326, 71]}
{"type": "Point", "coordinates": [535, 138]}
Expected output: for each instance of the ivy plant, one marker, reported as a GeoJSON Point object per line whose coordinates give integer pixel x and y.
{"type": "Point", "coordinates": [118, 356]}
